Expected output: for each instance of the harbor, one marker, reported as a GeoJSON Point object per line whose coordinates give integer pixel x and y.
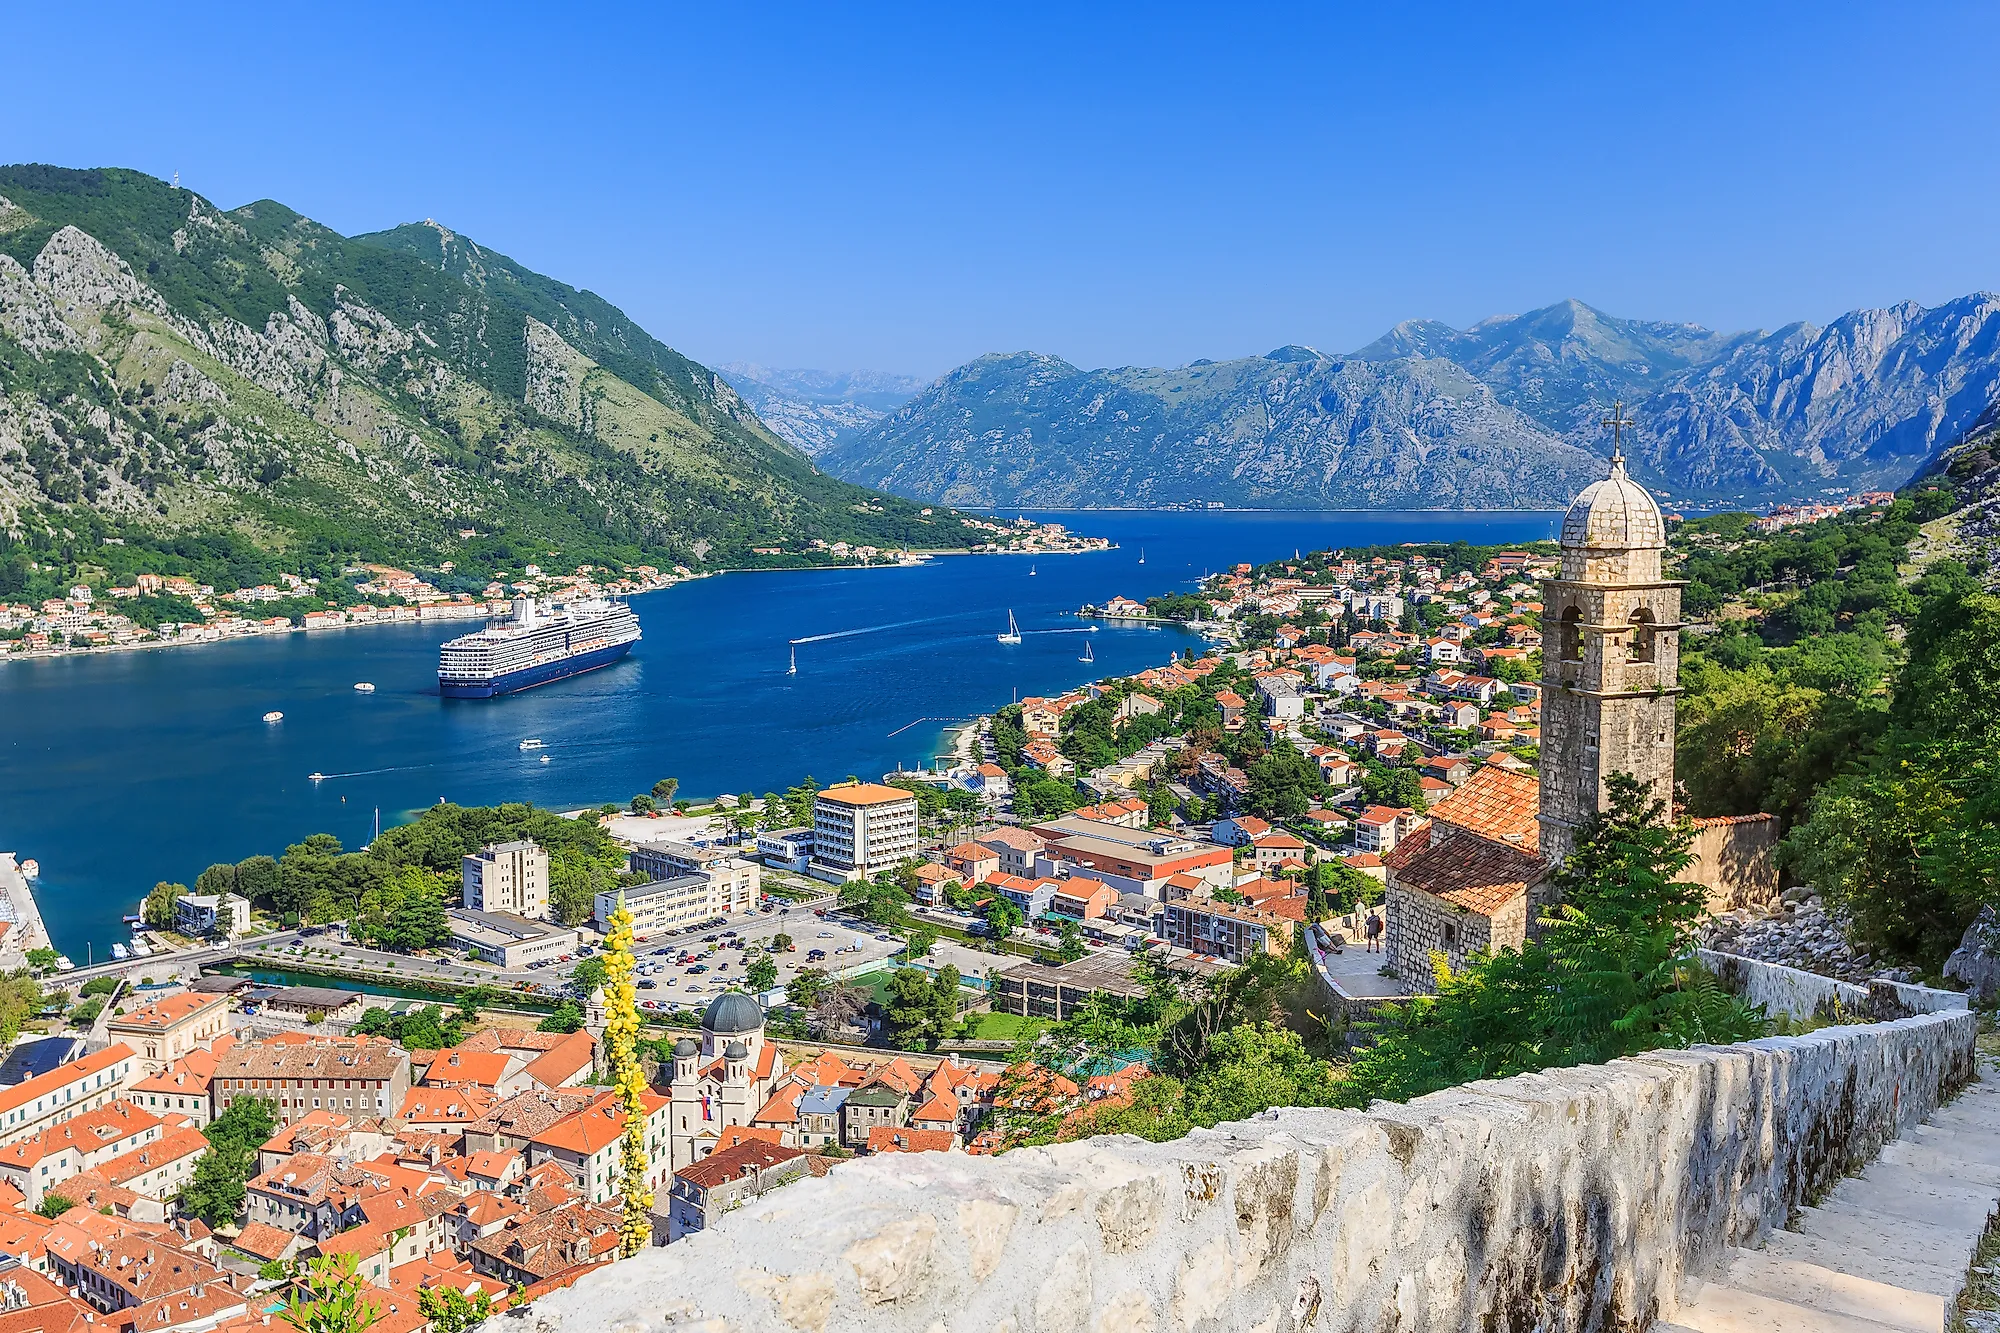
{"type": "Point", "coordinates": [19, 913]}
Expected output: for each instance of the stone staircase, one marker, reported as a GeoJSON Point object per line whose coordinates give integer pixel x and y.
{"type": "Point", "coordinates": [1885, 1250]}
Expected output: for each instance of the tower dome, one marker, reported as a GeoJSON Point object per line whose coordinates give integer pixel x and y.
{"type": "Point", "coordinates": [732, 1012]}
{"type": "Point", "coordinates": [1615, 514]}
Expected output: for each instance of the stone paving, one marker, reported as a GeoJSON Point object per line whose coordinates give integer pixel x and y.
{"type": "Point", "coordinates": [1887, 1249]}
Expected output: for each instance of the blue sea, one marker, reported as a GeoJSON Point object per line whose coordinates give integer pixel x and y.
{"type": "Point", "coordinates": [120, 770]}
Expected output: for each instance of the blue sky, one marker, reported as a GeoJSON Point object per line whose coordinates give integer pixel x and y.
{"type": "Point", "coordinates": [849, 186]}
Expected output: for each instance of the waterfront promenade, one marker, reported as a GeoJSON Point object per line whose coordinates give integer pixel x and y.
{"type": "Point", "coordinates": [25, 930]}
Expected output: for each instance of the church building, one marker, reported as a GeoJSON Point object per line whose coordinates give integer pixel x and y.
{"type": "Point", "coordinates": [720, 1082]}
{"type": "Point", "coordinates": [1471, 881]}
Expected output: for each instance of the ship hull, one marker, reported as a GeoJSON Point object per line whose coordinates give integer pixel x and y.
{"type": "Point", "coordinates": [513, 682]}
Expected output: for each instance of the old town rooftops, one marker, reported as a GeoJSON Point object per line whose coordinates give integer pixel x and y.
{"type": "Point", "coordinates": [343, 1058]}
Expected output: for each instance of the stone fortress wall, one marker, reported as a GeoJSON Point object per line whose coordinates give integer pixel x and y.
{"type": "Point", "coordinates": [1567, 1200]}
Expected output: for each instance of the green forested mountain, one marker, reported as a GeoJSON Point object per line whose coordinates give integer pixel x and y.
{"type": "Point", "coordinates": [246, 390]}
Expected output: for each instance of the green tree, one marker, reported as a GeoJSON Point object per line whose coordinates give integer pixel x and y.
{"type": "Point", "coordinates": [21, 998]}
{"type": "Point", "coordinates": [1610, 975]}
{"type": "Point", "coordinates": [214, 1193]}
{"type": "Point", "coordinates": [588, 976]}
{"type": "Point", "coordinates": [217, 880]}
{"type": "Point", "coordinates": [450, 1310]}
{"type": "Point", "coordinates": [761, 974]}
{"type": "Point", "coordinates": [920, 1009]}
{"type": "Point", "coordinates": [919, 942]}
{"type": "Point", "coordinates": [807, 987]}
{"type": "Point", "coordinates": [42, 960]}
{"type": "Point", "coordinates": [1070, 945]}
{"type": "Point", "coordinates": [328, 1299]}
{"type": "Point", "coordinates": [158, 910]}
{"type": "Point", "coordinates": [54, 1205]}
{"type": "Point", "coordinates": [257, 878]}
{"type": "Point", "coordinates": [1003, 918]}
{"type": "Point", "coordinates": [417, 922]}
{"type": "Point", "coordinates": [575, 880]}
{"type": "Point", "coordinates": [665, 789]}
{"type": "Point", "coordinates": [644, 805]}
{"type": "Point", "coordinates": [780, 942]}
{"type": "Point", "coordinates": [567, 1018]}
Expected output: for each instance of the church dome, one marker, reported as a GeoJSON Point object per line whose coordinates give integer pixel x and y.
{"type": "Point", "coordinates": [733, 1011]}
{"type": "Point", "coordinates": [685, 1048]}
{"type": "Point", "coordinates": [736, 1050]}
{"type": "Point", "coordinates": [1615, 514]}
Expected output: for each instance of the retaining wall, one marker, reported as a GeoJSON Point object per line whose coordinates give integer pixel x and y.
{"type": "Point", "coordinates": [1802, 994]}
{"type": "Point", "coordinates": [1569, 1200]}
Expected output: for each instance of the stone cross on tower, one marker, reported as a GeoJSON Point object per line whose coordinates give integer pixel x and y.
{"type": "Point", "coordinates": [1610, 654]}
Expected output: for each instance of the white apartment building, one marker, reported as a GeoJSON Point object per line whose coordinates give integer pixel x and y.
{"type": "Point", "coordinates": [737, 881]}
{"type": "Point", "coordinates": [862, 829]}
{"type": "Point", "coordinates": [675, 903]}
{"type": "Point", "coordinates": [508, 877]}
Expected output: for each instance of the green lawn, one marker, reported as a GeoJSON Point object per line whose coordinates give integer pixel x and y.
{"type": "Point", "coordinates": [1005, 1027]}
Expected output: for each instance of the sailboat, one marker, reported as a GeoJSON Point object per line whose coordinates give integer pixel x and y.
{"type": "Point", "coordinates": [1088, 656]}
{"type": "Point", "coordinates": [1031, 571]}
{"type": "Point", "coordinates": [1142, 555]}
{"type": "Point", "coordinates": [1013, 634]}
{"type": "Point", "coordinates": [793, 669]}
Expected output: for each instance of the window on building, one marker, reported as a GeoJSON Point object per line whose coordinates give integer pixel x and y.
{"type": "Point", "coordinates": [1641, 648]}
{"type": "Point", "coordinates": [1569, 635]}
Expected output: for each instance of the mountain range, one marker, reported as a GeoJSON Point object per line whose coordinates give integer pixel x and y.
{"type": "Point", "coordinates": [816, 409]}
{"type": "Point", "coordinates": [1507, 413]}
{"type": "Point", "coordinates": [171, 372]}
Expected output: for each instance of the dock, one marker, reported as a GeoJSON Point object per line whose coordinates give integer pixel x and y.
{"type": "Point", "coordinates": [19, 913]}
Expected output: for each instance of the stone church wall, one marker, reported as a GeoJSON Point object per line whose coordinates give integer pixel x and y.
{"type": "Point", "coordinates": [1570, 1200]}
{"type": "Point", "coordinates": [1736, 860]}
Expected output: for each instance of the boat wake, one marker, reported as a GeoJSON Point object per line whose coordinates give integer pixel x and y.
{"type": "Point", "coordinates": [870, 629]}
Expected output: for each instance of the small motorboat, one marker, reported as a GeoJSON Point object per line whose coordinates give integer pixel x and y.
{"type": "Point", "coordinates": [274, 716]}
{"type": "Point", "coordinates": [534, 743]}
{"type": "Point", "coordinates": [120, 953]}
{"type": "Point", "coordinates": [364, 687]}
{"type": "Point", "coordinates": [545, 759]}
{"type": "Point", "coordinates": [317, 777]}
{"type": "Point", "coordinates": [63, 964]}
{"type": "Point", "coordinates": [31, 869]}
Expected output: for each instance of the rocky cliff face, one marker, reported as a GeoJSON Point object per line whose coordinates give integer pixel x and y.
{"type": "Point", "coordinates": [1294, 428]}
{"type": "Point", "coordinates": [817, 409]}
{"type": "Point", "coordinates": [1505, 413]}
{"type": "Point", "coordinates": [173, 367]}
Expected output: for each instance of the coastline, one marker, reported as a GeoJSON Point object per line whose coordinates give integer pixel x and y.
{"type": "Point", "coordinates": [27, 931]}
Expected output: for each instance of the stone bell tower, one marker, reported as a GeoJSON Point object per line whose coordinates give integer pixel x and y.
{"type": "Point", "coordinates": [1610, 654]}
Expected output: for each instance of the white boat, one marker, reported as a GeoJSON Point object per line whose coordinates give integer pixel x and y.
{"type": "Point", "coordinates": [63, 964]}
{"type": "Point", "coordinates": [1088, 656]}
{"type": "Point", "coordinates": [31, 869]}
{"type": "Point", "coordinates": [317, 777]}
{"type": "Point", "coordinates": [364, 687]}
{"type": "Point", "coordinates": [1013, 634]}
{"type": "Point", "coordinates": [1031, 571]}
{"type": "Point", "coordinates": [1142, 555]}
{"type": "Point", "coordinates": [545, 759]}
{"type": "Point", "coordinates": [140, 949]}
{"type": "Point", "coordinates": [120, 953]}
{"type": "Point", "coordinates": [274, 716]}
{"type": "Point", "coordinates": [793, 669]}
{"type": "Point", "coordinates": [533, 743]}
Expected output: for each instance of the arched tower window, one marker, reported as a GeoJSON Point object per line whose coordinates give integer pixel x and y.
{"type": "Point", "coordinates": [1641, 647]}
{"type": "Point", "coordinates": [1570, 635]}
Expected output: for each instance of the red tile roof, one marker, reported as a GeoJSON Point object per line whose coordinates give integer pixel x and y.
{"type": "Point", "coordinates": [1472, 873]}
{"type": "Point", "coordinates": [1496, 804]}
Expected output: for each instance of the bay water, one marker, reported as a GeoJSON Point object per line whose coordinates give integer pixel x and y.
{"type": "Point", "coordinates": [122, 769]}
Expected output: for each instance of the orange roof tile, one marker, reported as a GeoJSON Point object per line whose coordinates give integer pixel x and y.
{"type": "Point", "coordinates": [1496, 804]}
{"type": "Point", "coordinates": [1472, 873]}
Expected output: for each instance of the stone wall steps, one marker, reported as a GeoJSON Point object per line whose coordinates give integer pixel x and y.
{"type": "Point", "coordinates": [1848, 1257]}
{"type": "Point", "coordinates": [1809, 1284]}
{"type": "Point", "coordinates": [1885, 1249]}
{"type": "Point", "coordinates": [1711, 1307]}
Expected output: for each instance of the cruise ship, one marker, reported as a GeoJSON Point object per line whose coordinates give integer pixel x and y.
{"type": "Point", "coordinates": [534, 645]}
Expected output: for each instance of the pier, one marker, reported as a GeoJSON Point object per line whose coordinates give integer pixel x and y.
{"type": "Point", "coordinates": [20, 914]}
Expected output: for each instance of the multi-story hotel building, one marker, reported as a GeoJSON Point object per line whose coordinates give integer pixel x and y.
{"type": "Point", "coordinates": [679, 903]}
{"type": "Point", "coordinates": [508, 877]}
{"type": "Point", "coordinates": [734, 881]}
{"type": "Point", "coordinates": [862, 829]}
